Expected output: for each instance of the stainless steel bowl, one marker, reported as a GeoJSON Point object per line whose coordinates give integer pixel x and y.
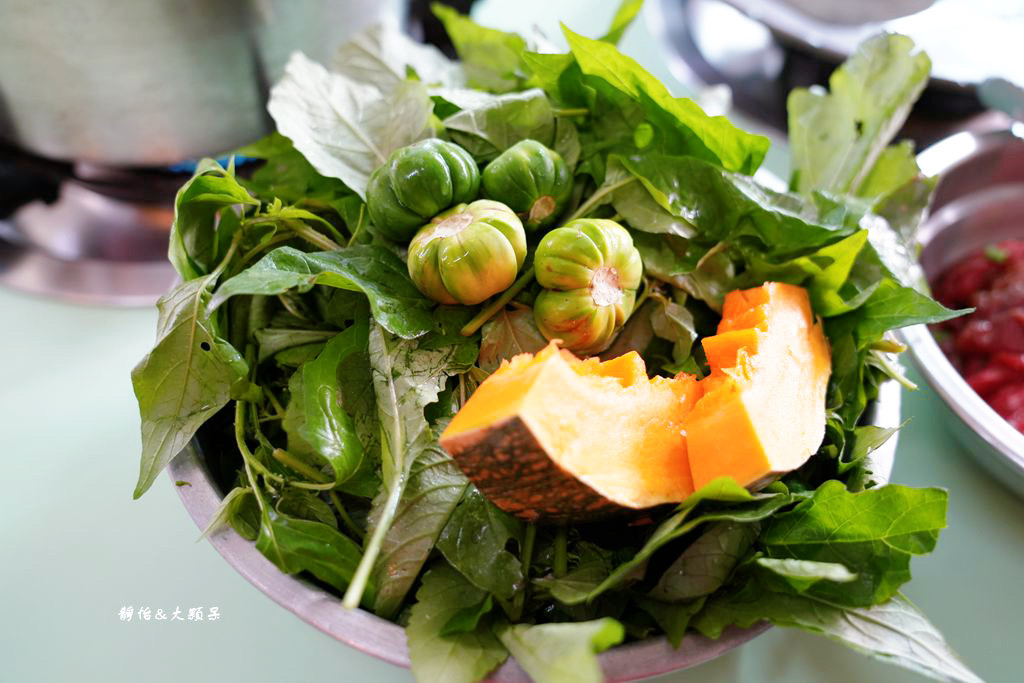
{"type": "Point", "coordinates": [979, 200]}
{"type": "Point", "coordinates": [385, 640]}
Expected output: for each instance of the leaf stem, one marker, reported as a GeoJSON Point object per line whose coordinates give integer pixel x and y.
{"type": "Point", "coordinates": [359, 226]}
{"type": "Point", "coordinates": [345, 519]}
{"type": "Point", "coordinates": [291, 462]}
{"type": "Point", "coordinates": [354, 594]}
{"type": "Point", "coordinates": [888, 346]}
{"type": "Point", "coordinates": [561, 564]}
{"type": "Point", "coordinates": [571, 111]}
{"type": "Point", "coordinates": [280, 237]}
{"type": "Point", "coordinates": [395, 485]}
{"type": "Point", "coordinates": [290, 307]}
{"type": "Point", "coordinates": [232, 248]}
{"type": "Point", "coordinates": [894, 371]}
{"type": "Point", "coordinates": [644, 295]}
{"type": "Point", "coordinates": [278, 408]}
{"type": "Point", "coordinates": [247, 456]}
{"type": "Point", "coordinates": [597, 198]}
{"type": "Point", "coordinates": [250, 458]}
{"type": "Point", "coordinates": [487, 313]}
{"type": "Point", "coordinates": [527, 558]}
{"type": "Point", "coordinates": [313, 237]}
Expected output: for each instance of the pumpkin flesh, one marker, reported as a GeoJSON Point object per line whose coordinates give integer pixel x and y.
{"type": "Point", "coordinates": [763, 407]}
{"type": "Point", "coordinates": [605, 425]}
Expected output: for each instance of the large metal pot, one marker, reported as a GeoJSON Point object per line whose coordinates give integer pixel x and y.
{"type": "Point", "coordinates": [154, 82]}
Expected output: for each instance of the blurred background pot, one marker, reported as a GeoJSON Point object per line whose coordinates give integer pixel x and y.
{"type": "Point", "coordinates": [154, 83]}
{"type": "Point", "coordinates": [103, 107]}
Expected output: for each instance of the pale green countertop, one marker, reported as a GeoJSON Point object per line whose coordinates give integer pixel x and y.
{"type": "Point", "coordinates": [75, 548]}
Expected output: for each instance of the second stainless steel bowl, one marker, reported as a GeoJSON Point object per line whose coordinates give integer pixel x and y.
{"type": "Point", "coordinates": [979, 200]}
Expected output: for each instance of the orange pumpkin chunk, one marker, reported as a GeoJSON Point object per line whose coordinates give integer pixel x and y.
{"type": "Point", "coordinates": [763, 407]}
{"type": "Point", "coordinates": [552, 436]}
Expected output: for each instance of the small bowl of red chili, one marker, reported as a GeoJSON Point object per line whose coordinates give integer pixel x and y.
{"type": "Point", "coordinates": [972, 253]}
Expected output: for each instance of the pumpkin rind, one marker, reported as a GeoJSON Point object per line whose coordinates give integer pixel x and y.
{"type": "Point", "coordinates": [416, 183]}
{"type": "Point", "coordinates": [590, 272]}
{"type": "Point", "coordinates": [509, 451]}
{"type": "Point", "coordinates": [531, 179]}
{"type": "Point", "coordinates": [468, 253]}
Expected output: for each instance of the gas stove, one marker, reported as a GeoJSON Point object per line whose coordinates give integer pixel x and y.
{"type": "Point", "coordinates": [85, 233]}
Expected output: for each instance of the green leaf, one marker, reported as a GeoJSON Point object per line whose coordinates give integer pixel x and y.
{"type": "Point", "coordinates": [196, 206]}
{"type": "Point", "coordinates": [892, 306]}
{"type": "Point", "coordinates": [896, 166]}
{"type": "Point", "coordinates": [271, 341]}
{"type": "Point", "coordinates": [836, 137]}
{"type": "Point", "coordinates": [492, 59]}
{"type": "Point", "coordinates": [862, 441]}
{"type": "Point", "coordinates": [873, 533]}
{"type": "Point", "coordinates": [706, 563]}
{"type": "Point", "coordinates": [894, 632]}
{"type": "Point", "coordinates": [897, 257]}
{"type": "Point", "coordinates": [346, 128]}
{"type": "Point", "coordinates": [802, 574]}
{"type": "Point", "coordinates": [624, 16]}
{"type": "Point", "coordinates": [560, 77]}
{"type": "Point", "coordinates": [904, 207]}
{"type": "Point", "coordinates": [686, 129]}
{"type": "Point", "coordinates": [382, 55]}
{"type": "Point", "coordinates": [824, 273]}
{"type": "Point", "coordinates": [731, 206]}
{"type": "Point", "coordinates": [567, 141]}
{"type": "Point", "coordinates": [301, 504]}
{"type": "Point", "coordinates": [326, 427]}
{"type": "Point", "coordinates": [468, 619]}
{"type": "Point", "coordinates": [486, 125]}
{"type": "Point", "coordinates": [357, 396]}
{"type": "Point", "coordinates": [464, 657]}
{"type": "Point", "coordinates": [673, 617]}
{"type": "Point", "coordinates": [674, 322]}
{"type": "Point", "coordinates": [640, 210]}
{"type": "Point", "coordinates": [510, 332]}
{"type": "Point", "coordinates": [474, 542]}
{"type": "Point", "coordinates": [436, 484]}
{"type": "Point", "coordinates": [226, 509]}
{"type": "Point", "coordinates": [575, 587]}
{"type": "Point", "coordinates": [678, 525]}
{"type": "Point", "coordinates": [375, 271]}
{"type": "Point", "coordinates": [187, 377]}
{"type": "Point", "coordinates": [287, 175]}
{"type": "Point", "coordinates": [296, 545]}
{"type": "Point", "coordinates": [562, 653]}
{"type": "Point", "coordinates": [406, 379]}
{"type": "Point", "coordinates": [705, 274]}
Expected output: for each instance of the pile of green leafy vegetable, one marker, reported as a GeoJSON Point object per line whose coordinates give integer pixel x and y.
{"type": "Point", "coordinates": [299, 320]}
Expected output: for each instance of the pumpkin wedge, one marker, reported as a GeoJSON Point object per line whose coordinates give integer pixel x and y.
{"type": "Point", "coordinates": [762, 412]}
{"type": "Point", "coordinates": [551, 437]}
{"type": "Point", "coordinates": [555, 438]}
